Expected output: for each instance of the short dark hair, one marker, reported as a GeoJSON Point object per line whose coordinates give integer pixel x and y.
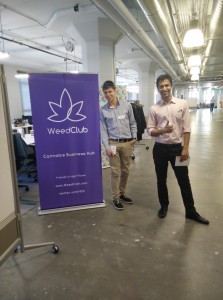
{"type": "Point", "coordinates": [108, 84]}
{"type": "Point", "coordinates": [162, 78]}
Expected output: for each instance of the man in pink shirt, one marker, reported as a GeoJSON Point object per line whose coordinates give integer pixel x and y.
{"type": "Point", "coordinates": [169, 123]}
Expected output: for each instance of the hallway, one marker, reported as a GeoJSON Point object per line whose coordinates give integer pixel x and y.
{"type": "Point", "coordinates": [132, 254]}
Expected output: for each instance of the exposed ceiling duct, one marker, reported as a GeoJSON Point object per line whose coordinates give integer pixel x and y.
{"type": "Point", "coordinates": [213, 60]}
{"type": "Point", "coordinates": [200, 85]}
{"type": "Point", "coordinates": [120, 15]}
{"type": "Point", "coordinates": [159, 19]}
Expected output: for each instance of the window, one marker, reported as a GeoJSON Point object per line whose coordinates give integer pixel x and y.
{"type": "Point", "coordinates": [132, 96]}
{"type": "Point", "coordinates": [25, 96]}
{"type": "Point", "coordinates": [129, 95]}
{"type": "Point", "coordinates": [193, 93]}
{"type": "Point", "coordinates": [208, 94]}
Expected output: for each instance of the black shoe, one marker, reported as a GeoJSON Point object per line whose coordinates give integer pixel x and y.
{"type": "Point", "coordinates": [196, 217]}
{"type": "Point", "coordinates": [117, 204]}
{"type": "Point", "coordinates": [125, 199]}
{"type": "Point", "coordinates": [162, 212]}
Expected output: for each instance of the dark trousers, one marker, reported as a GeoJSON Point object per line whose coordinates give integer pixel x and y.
{"type": "Point", "coordinates": [162, 153]}
{"type": "Point", "coordinates": [211, 106]}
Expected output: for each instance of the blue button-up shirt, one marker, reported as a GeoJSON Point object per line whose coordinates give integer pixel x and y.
{"type": "Point", "coordinates": [117, 123]}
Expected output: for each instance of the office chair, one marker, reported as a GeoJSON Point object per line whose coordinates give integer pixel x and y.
{"type": "Point", "coordinates": [21, 151]}
{"type": "Point", "coordinates": [32, 157]}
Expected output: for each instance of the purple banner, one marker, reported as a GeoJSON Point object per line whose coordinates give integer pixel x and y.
{"type": "Point", "coordinates": [66, 127]}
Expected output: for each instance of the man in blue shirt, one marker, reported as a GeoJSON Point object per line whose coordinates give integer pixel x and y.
{"type": "Point", "coordinates": [118, 131]}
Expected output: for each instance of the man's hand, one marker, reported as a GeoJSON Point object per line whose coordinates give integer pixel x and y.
{"type": "Point", "coordinates": [109, 152]}
{"type": "Point", "coordinates": [132, 142]}
{"type": "Point", "coordinates": [168, 128]}
{"type": "Point", "coordinates": [185, 151]}
{"type": "Point", "coordinates": [184, 154]}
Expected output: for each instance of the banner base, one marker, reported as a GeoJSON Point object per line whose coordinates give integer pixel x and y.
{"type": "Point", "coordinates": [70, 208]}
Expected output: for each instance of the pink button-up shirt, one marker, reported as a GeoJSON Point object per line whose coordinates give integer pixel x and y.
{"type": "Point", "coordinates": [176, 112]}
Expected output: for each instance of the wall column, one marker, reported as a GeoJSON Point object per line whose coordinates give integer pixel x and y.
{"type": "Point", "coordinates": [146, 70]}
{"type": "Point", "coordinates": [186, 94]}
{"type": "Point", "coordinates": [201, 96]}
{"type": "Point", "coordinates": [97, 47]}
{"type": "Point", "coordinates": [179, 92]}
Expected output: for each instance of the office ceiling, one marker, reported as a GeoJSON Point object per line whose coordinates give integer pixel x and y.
{"type": "Point", "coordinates": [40, 25]}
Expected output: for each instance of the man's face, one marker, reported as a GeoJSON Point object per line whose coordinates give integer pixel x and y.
{"type": "Point", "coordinates": [164, 88]}
{"type": "Point", "coordinates": [110, 95]}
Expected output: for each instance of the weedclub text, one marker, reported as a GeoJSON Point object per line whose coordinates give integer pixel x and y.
{"type": "Point", "coordinates": [67, 131]}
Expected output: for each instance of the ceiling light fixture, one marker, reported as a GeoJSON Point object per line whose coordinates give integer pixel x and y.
{"type": "Point", "coordinates": [195, 70]}
{"type": "Point", "coordinates": [194, 60]}
{"type": "Point", "coordinates": [3, 55]}
{"type": "Point", "coordinates": [22, 75]}
{"type": "Point", "coordinates": [194, 36]}
{"type": "Point", "coordinates": [195, 77]}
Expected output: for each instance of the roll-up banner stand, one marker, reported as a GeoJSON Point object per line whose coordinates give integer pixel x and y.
{"type": "Point", "coordinates": [66, 125]}
{"type": "Point", "coordinates": [11, 236]}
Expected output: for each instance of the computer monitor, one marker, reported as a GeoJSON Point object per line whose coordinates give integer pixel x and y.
{"type": "Point", "coordinates": [30, 119]}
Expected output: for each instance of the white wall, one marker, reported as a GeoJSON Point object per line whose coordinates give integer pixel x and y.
{"type": "Point", "coordinates": [13, 92]}
{"type": "Point", "coordinates": [15, 104]}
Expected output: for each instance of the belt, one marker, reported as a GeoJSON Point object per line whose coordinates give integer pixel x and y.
{"type": "Point", "coordinates": [168, 145]}
{"type": "Point", "coordinates": [121, 140]}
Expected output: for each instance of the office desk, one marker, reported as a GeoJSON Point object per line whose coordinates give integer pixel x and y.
{"type": "Point", "coordinates": [25, 127]}
{"type": "Point", "coordinates": [29, 139]}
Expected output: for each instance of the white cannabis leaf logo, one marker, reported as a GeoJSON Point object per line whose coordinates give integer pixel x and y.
{"type": "Point", "coordinates": [66, 110]}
